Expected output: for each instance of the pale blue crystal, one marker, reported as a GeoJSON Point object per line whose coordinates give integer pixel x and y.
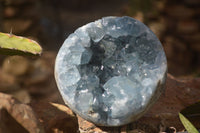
{"type": "Point", "coordinates": [111, 71]}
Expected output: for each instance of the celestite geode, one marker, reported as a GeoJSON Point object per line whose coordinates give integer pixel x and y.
{"type": "Point", "coordinates": [111, 71]}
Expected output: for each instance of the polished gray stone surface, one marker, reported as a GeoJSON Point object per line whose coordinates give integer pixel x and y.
{"type": "Point", "coordinates": [111, 71]}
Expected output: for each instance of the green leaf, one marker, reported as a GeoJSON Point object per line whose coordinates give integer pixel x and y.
{"type": "Point", "coordinates": [187, 124]}
{"type": "Point", "coordinates": [17, 45]}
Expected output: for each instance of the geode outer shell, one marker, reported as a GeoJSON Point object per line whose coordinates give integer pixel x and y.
{"type": "Point", "coordinates": [111, 71]}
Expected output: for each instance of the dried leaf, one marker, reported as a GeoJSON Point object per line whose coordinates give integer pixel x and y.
{"type": "Point", "coordinates": [22, 113]}
{"type": "Point", "coordinates": [56, 118]}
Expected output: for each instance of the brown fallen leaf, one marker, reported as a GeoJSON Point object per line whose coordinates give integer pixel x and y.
{"type": "Point", "coordinates": [17, 117]}
{"type": "Point", "coordinates": [178, 95]}
{"type": "Point", "coordinates": [56, 118]}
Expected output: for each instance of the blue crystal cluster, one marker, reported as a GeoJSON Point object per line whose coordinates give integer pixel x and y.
{"type": "Point", "coordinates": [111, 71]}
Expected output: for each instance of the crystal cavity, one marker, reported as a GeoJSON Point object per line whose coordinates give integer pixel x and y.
{"type": "Point", "coordinates": [111, 71]}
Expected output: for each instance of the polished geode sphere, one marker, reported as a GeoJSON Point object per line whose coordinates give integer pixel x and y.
{"type": "Point", "coordinates": [111, 71]}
